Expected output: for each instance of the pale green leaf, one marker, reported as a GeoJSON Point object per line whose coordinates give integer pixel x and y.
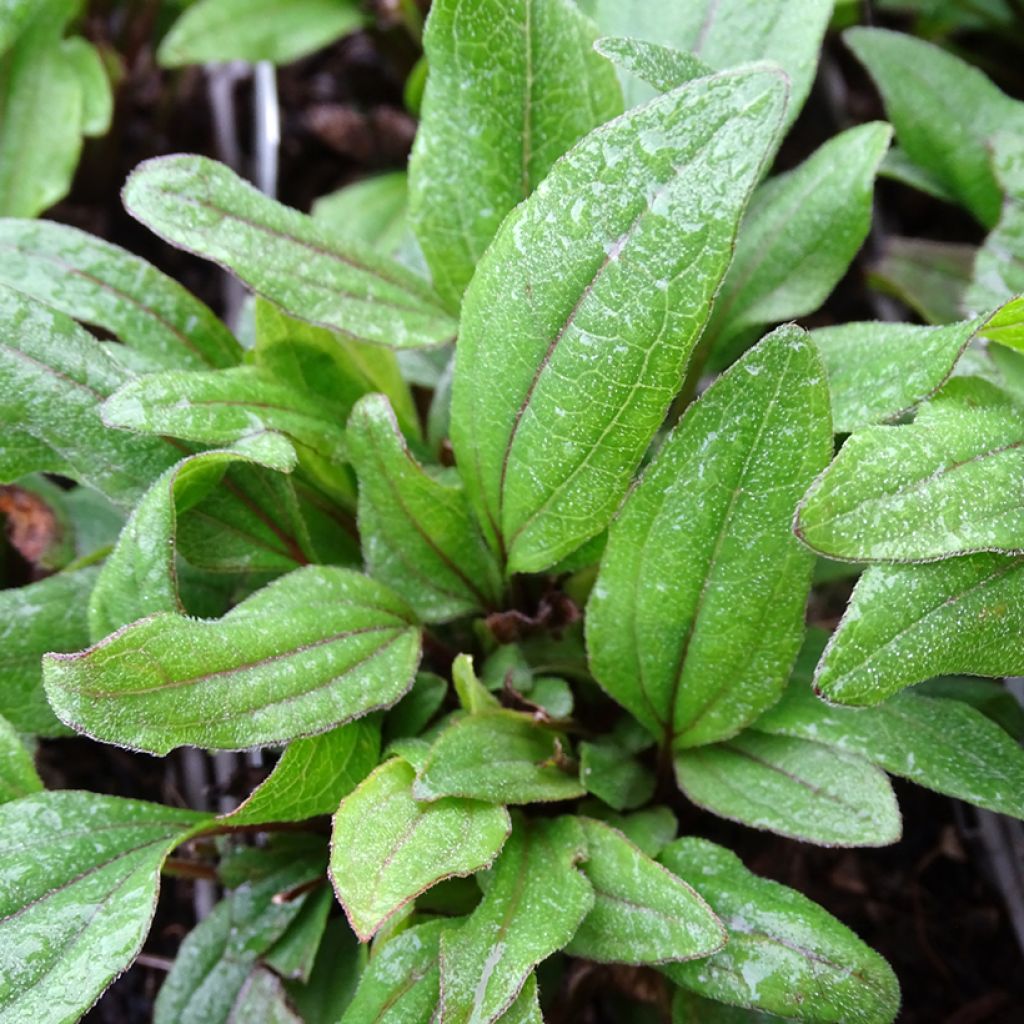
{"type": "Point", "coordinates": [897, 166]}
{"type": "Point", "coordinates": [263, 1000]}
{"type": "Point", "coordinates": [613, 776]}
{"type": "Point", "coordinates": [14, 14]}
{"type": "Point", "coordinates": [308, 652]}
{"type": "Point", "coordinates": [472, 693]}
{"type": "Point", "coordinates": [94, 83]}
{"type": "Point", "coordinates": [662, 67]}
{"type": "Point", "coordinates": [386, 848]}
{"type": "Point", "coordinates": [582, 315]}
{"type": "Point", "coordinates": [698, 610]}
{"type": "Point", "coordinates": [785, 954]}
{"type": "Point", "coordinates": [793, 787]}
{"type": "Point", "coordinates": [930, 277]}
{"type": "Point", "coordinates": [1006, 325]}
{"type": "Point", "coordinates": [371, 211]}
{"type": "Point", "coordinates": [651, 830]}
{"type": "Point", "coordinates": [512, 85]}
{"type": "Point", "coordinates": [18, 775]}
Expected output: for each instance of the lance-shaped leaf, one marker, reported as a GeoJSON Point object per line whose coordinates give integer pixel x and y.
{"type": "Point", "coordinates": [313, 775]}
{"type": "Point", "coordinates": [642, 913]}
{"type": "Point", "coordinates": [583, 312]}
{"type": "Point", "coordinates": [79, 875]}
{"type": "Point", "coordinates": [293, 956]}
{"type": "Point", "coordinates": [53, 377]}
{"type": "Point", "coordinates": [203, 207]}
{"type": "Point", "coordinates": [500, 756]}
{"type": "Point", "coordinates": [930, 277]}
{"type": "Point", "coordinates": [533, 904]}
{"type": "Point", "coordinates": [662, 67]}
{"type": "Point", "coordinates": [310, 651]}
{"type": "Point", "coordinates": [417, 530]}
{"type": "Point", "coordinates": [386, 848]}
{"type": "Point", "coordinates": [794, 787]}
{"type": "Point", "coordinates": [916, 80]}
{"type": "Point", "coordinates": [18, 775]}
{"type": "Point", "coordinates": [946, 745]}
{"type": "Point", "coordinates": [801, 232]}
{"type": "Point", "coordinates": [947, 484]}
{"type": "Point", "coordinates": [51, 615]}
{"type": "Point", "coordinates": [688, 631]}
{"type": "Point", "coordinates": [785, 954]}
{"type": "Point", "coordinates": [532, 62]}
{"type": "Point", "coordinates": [908, 623]}
{"type": "Point", "coordinates": [100, 284]}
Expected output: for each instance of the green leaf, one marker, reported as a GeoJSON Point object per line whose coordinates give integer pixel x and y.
{"type": "Point", "coordinates": [534, 902]}
{"type": "Point", "coordinates": [473, 695]}
{"type": "Point", "coordinates": [785, 954]}
{"type": "Point", "coordinates": [15, 14]}
{"type": "Point", "coordinates": [263, 1000]}
{"type": "Point", "coordinates": [686, 627]}
{"type": "Point", "coordinates": [94, 82]}
{"type": "Point", "coordinates": [293, 956]}
{"type": "Point", "coordinates": [499, 756]}
{"type": "Point", "coordinates": [930, 277]}
{"type": "Point", "coordinates": [897, 166]}
{"type": "Point", "coordinates": [203, 207]}
{"type": "Point", "coordinates": [642, 913]}
{"type": "Point", "coordinates": [662, 67]}
{"type": "Point", "coordinates": [79, 875]}
{"type": "Point", "coordinates": [313, 776]}
{"type": "Point", "coordinates": [908, 623]}
{"type": "Point", "coordinates": [583, 312]}
{"type": "Point", "coordinates": [308, 652]}
{"type": "Point", "coordinates": [988, 696]}
{"type": "Point", "coordinates": [916, 80]}
{"type": "Point", "coordinates": [800, 234]}
{"type": "Point", "coordinates": [417, 530]}
{"type": "Point", "coordinates": [101, 284]}
{"type": "Point", "coordinates": [415, 710]}
{"type": "Point", "coordinates": [613, 776]}
{"type": "Point", "coordinates": [18, 775]}
{"type": "Point", "coordinates": [51, 615]}
{"type": "Point", "coordinates": [339, 963]}
{"type": "Point", "coordinates": [689, 1008]}
{"type": "Point", "coordinates": [794, 787]}
{"type": "Point", "coordinates": [651, 830]}
{"type": "Point", "coordinates": [943, 744]}
{"type": "Point", "coordinates": [254, 30]}
{"type": "Point", "coordinates": [1006, 326]}
{"type": "Point", "coordinates": [371, 211]}
{"type": "Point", "coordinates": [387, 848]}
{"type": "Point", "coordinates": [512, 85]}
{"type": "Point", "coordinates": [947, 484]}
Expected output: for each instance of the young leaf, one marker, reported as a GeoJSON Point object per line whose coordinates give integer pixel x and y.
{"type": "Point", "coordinates": [945, 745]}
{"type": "Point", "coordinates": [662, 67]}
{"type": "Point", "coordinates": [310, 651]}
{"type": "Point", "coordinates": [386, 848]}
{"type": "Point", "coordinates": [79, 875]}
{"type": "Point", "coordinates": [472, 693]}
{"type": "Point", "coordinates": [417, 530]}
{"type": "Point", "coordinates": [785, 954]}
{"type": "Point", "coordinates": [613, 776]}
{"type": "Point", "coordinates": [916, 80]}
{"type": "Point", "coordinates": [800, 234]}
{"type": "Point", "coordinates": [253, 30]}
{"type": "Point", "coordinates": [203, 207]}
{"type": "Point", "coordinates": [684, 628]}
{"type": "Point", "coordinates": [642, 913]}
{"type": "Point", "coordinates": [101, 284]}
{"type": "Point", "coordinates": [793, 787]}
{"type": "Point", "coordinates": [512, 85]}
{"type": "Point", "coordinates": [583, 312]}
{"type": "Point", "coordinates": [534, 902]}
{"type": "Point", "coordinates": [18, 775]}
{"type": "Point", "coordinates": [929, 277]}
{"type": "Point", "coordinates": [502, 757]}
{"type": "Point", "coordinates": [908, 623]}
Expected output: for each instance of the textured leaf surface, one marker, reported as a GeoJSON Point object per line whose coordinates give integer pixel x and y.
{"type": "Point", "coordinates": [79, 874]}
{"type": "Point", "coordinates": [498, 756]}
{"type": "Point", "coordinates": [18, 775]}
{"type": "Point", "coordinates": [583, 312]}
{"type": "Point", "coordinates": [417, 530]}
{"type": "Point", "coordinates": [690, 1008]}
{"type": "Point", "coordinates": [930, 277]}
{"type": "Point", "coordinates": [794, 787]}
{"type": "Point", "coordinates": [613, 776]}
{"type": "Point", "coordinates": [662, 67]}
{"type": "Point", "coordinates": [203, 207]}
{"type": "Point", "coordinates": [785, 954]}
{"type": "Point", "coordinates": [698, 609]}
{"type": "Point", "coordinates": [908, 623]}
{"type": "Point", "coordinates": [642, 913]}
{"type": "Point", "coordinates": [309, 651]}
{"type": "Point", "coordinates": [534, 902]}
{"type": "Point", "coordinates": [387, 848]}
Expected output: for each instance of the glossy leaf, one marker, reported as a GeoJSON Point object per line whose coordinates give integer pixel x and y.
{"type": "Point", "coordinates": [417, 530]}
{"type": "Point", "coordinates": [387, 848]}
{"type": "Point", "coordinates": [100, 284]}
{"type": "Point", "coordinates": [512, 85]}
{"type": "Point", "coordinates": [793, 787]}
{"type": "Point", "coordinates": [613, 776]}
{"type": "Point", "coordinates": [534, 902]}
{"type": "Point", "coordinates": [203, 207]}
{"type": "Point", "coordinates": [338, 646]}
{"type": "Point", "coordinates": [785, 954]}
{"type": "Point", "coordinates": [18, 775]}
{"type": "Point", "coordinates": [642, 913]}
{"type": "Point", "coordinates": [698, 609]}
{"type": "Point", "coordinates": [502, 757]}
{"type": "Point", "coordinates": [79, 875]}
{"type": "Point", "coordinates": [576, 330]}
{"type": "Point", "coordinates": [930, 277]}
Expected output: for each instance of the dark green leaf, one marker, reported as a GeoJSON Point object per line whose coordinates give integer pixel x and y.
{"type": "Point", "coordinates": [930, 277]}
{"type": "Point", "coordinates": [613, 776]}
{"type": "Point", "coordinates": [18, 775]}
{"type": "Point", "coordinates": [294, 954]}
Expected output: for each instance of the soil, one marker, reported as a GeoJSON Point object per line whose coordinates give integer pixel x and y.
{"type": "Point", "coordinates": [926, 903]}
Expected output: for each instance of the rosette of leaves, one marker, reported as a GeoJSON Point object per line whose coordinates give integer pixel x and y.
{"type": "Point", "coordinates": [504, 644]}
